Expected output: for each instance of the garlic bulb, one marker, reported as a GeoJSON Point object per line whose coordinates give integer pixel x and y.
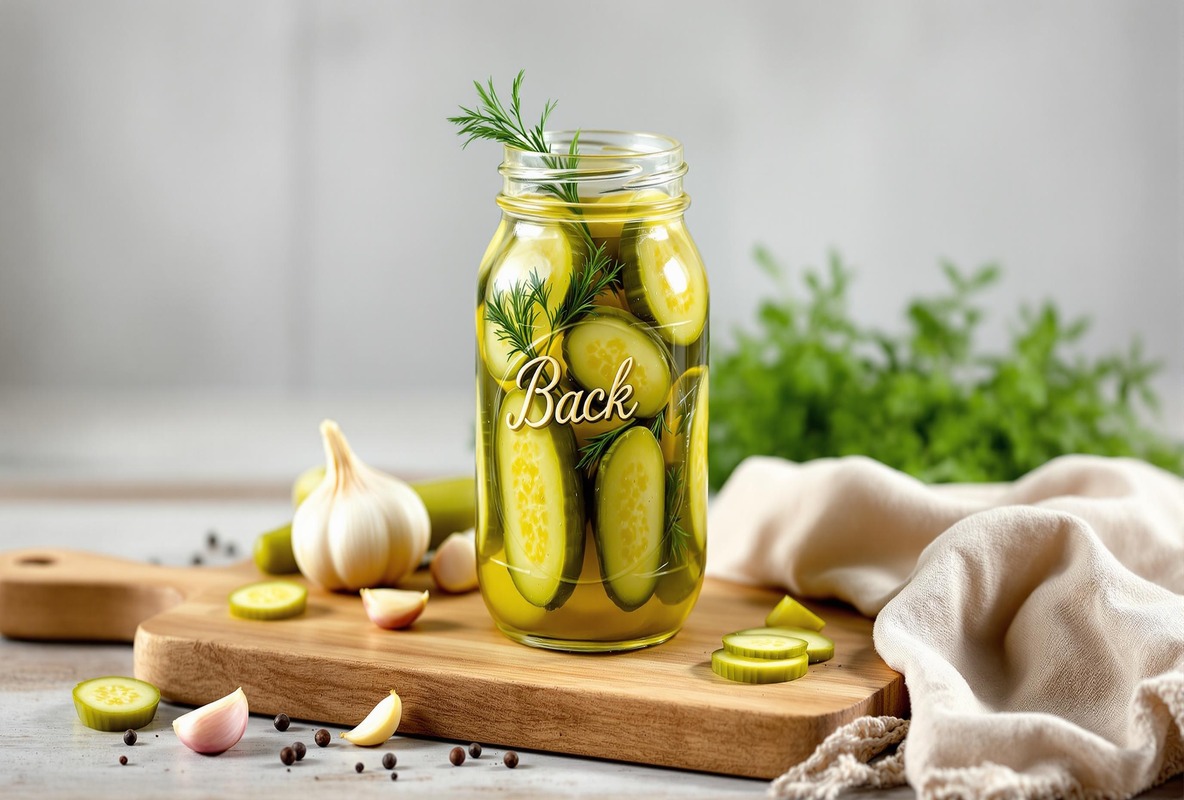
{"type": "Point", "coordinates": [360, 527]}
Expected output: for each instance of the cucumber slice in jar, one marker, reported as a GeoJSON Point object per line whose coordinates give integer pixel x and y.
{"type": "Point", "coordinates": [818, 647]}
{"type": "Point", "coordinates": [538, 249]}
{"type": "Point", "coordinates": [764, 645]}
{"type": "Point", "coordinates": [630, 517]}
{"type": "Point", "coordinates": [596, 347]}
{"type": "Point", "coordinates": [664, 279]}
{"type": "Point", "coordinates": [115, 703]}
{"type": "Point", "coordinates": [757, 670]}
{"type": "Point", "coordinates": [542, 509]}
{"type": "Point", "coordinates": [697, 464]}
{"type": "Point", "coordinates": [268, 600]}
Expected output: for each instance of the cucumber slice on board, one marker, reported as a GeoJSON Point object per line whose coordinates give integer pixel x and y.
{"type": "Point", "coordinates": [757, 670]}
{"type": "Point", "coordinates": [596, 346]}
{"type": "Point", "coordinates": [790, 613]}
{"type": "Point", "coordinates": [764, 645]}
{"type": "Point", "coordinates": [542, 249]}
{"type": "Point", "coordinates": [630, 517]}
{"type": "Point", "coordinates": [115, 703]}
{"type": "Point", "coordinates": [818, 647]}
{"type": "Point", "coordinates": [542, 508]}
{"type": "Point", "coordinates": [268, 600]}
{"type": "Point", "coordinates": [664, 279]}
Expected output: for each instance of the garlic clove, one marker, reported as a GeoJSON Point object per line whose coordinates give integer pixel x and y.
{"type": "Point", "coordinates": [454, 567]}
{"type": "Point", "coordinates": [216, 727]}
{"type": "Point", "coordinates": [380, 724]}
{"type": "Point", "coordinates": [393, 608]}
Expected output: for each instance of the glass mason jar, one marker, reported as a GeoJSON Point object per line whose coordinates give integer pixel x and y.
{"type": "Point", "coordinates": [592, 397]}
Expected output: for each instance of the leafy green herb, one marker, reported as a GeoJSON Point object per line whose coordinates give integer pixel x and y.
{"type": "Point", "coordinates": [598, 445]}
{"type": "Point", "coordinates": [811, 382]}
{"type": "Point", "coordinates": [597, 274]}
{"type": "Point", "coordinates": [675, 496]}
{"type": "Point", "coordinates": [513, 312]}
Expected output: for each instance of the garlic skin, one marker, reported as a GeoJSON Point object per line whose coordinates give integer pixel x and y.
{"type": "Point", "coordinates": [454, 566]}
{"type": "Point", "coordinates": [359, 528]}
{"type": "Point", "coordinates": [379, 725]}
{"type": "Point", "coordinates": [216, 727]}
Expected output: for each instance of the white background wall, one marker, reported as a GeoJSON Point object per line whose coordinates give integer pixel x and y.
{"type": "Point", "coordinates": [266, 195]}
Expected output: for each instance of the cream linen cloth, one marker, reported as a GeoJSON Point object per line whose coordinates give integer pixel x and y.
{"type": "Point", "coordinates": [1039, 625]}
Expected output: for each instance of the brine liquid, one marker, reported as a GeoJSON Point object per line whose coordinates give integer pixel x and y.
{"type": "Point", "coordinates": [584, 612]}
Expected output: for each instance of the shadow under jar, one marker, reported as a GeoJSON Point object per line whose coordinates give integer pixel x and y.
{"type": "Point", "coordinates": [592, 334]}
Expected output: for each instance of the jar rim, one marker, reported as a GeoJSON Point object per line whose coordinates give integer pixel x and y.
{"type": "Point", "coordinates": [665, 146]}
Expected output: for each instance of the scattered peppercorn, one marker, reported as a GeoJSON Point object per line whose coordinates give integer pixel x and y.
{"type": "Point", "coordinates": [288, 756]}
{"type": "Point", "coordinates": [457, 756]}
{"type": "Point", "coordinates": [358, 767]}
{"type": "Point", "coordinates": [394, 776]}
{"type": "Point", "coordinates": [123, 761]}
{"type": "Point", "coordinates": [129, 737]}
{"type": "Point", "coordinates": [282, 722]}
{"type": "Point", "coordinates": [299, 749]}
{"type": "Point", "coordinates": [321, 738]}
{"type": "Point", "coordinates": [231, 550]}
{"type": "Point", "coordinates": [389, 760]}
{"type": "Point", "coordinates": [212, 540]}
{"type": "Point", "coordinates": [196, 560]}
{"type": "Point", "coordinates": [475, 750]}
{"type": "Point", "coordinates": [510, 759]}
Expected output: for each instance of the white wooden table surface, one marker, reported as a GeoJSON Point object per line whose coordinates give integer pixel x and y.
{"type": "Point", "coordinates": [148, 477]}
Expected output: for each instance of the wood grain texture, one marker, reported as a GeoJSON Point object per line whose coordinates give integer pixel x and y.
{"type": "Point", "coordinates": [458, 677]}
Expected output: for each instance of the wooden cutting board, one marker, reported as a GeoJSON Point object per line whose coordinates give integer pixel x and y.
{"type": "Point", "coordinates": [459, 678]}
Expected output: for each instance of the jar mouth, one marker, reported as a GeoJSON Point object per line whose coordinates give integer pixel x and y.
{"type": "Point", "coordinates": [607, 161]}
{"type": "Point", "coordinates": [612, 144]}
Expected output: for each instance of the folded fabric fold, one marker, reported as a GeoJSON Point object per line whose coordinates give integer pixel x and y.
{"type": "Point", "coordinates": [1039, 625]}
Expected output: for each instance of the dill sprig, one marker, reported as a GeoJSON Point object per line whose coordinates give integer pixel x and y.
{"type": "Point", "coordinates": [597, 274]}
{"type": "Point", "coordinates": [513, 312]}
{"type": "Point", "coordinates": [493, 120]}
{"type": "Point", "coordinates": [598, 445]}
{"type": "Point", "coordinates": [677, 536]}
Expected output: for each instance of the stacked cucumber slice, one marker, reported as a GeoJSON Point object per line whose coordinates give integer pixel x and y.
{"type": "Point", "coordinates": [776, 653]}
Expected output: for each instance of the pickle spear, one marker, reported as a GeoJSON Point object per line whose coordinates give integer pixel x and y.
{"type": "Point", "coordinates": [541, 503]}
{"type": "Point", "coordinates": [630, 518]}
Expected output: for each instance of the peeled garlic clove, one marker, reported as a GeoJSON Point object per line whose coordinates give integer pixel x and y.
{"type": "Point", "coordinates": [214, 728]}
{"type": "Point", "coordinates": [393, 608]}
{"type": "Point", "coordinates": [454, 567]}
{"type": "Point", "coordinates": [380, 724]}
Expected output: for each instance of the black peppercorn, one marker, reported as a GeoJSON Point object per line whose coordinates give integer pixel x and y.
{"type": "Point", "coordinates": [510, 759]}
{"type": "Point", "coordinates": [394, 776]}
{"type": "Point", "coordinates": [123, 760]}
{"type": "Point", "coordinates": [129, 737]}
{"type": "Point", "coordinates": [212, 540]}
{"type": "Point", "coordinates": [196, 560]}
{"type": "Point", "coordinates": [389, 760]}
{"type": "Point", "coordinates": [282, 722]}
{"type": "Point", "coordinates": [475, 750]}
{"type": "Point", "coordinates": [299, 749]}
{"type": "Point", "coordinates": [288, 756]}
{"type": "Point", "coordinates": [321, 737]}
{"type": "Point", "coordinates": [231, 550]}
{"type": "Point", "coordinates": [456, 756]}
{"type": "Point", "coordinates": [358, 767]}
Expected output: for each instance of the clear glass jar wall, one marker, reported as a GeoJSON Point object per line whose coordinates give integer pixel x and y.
{"type": "Point", "coordinates": [592, 393]}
